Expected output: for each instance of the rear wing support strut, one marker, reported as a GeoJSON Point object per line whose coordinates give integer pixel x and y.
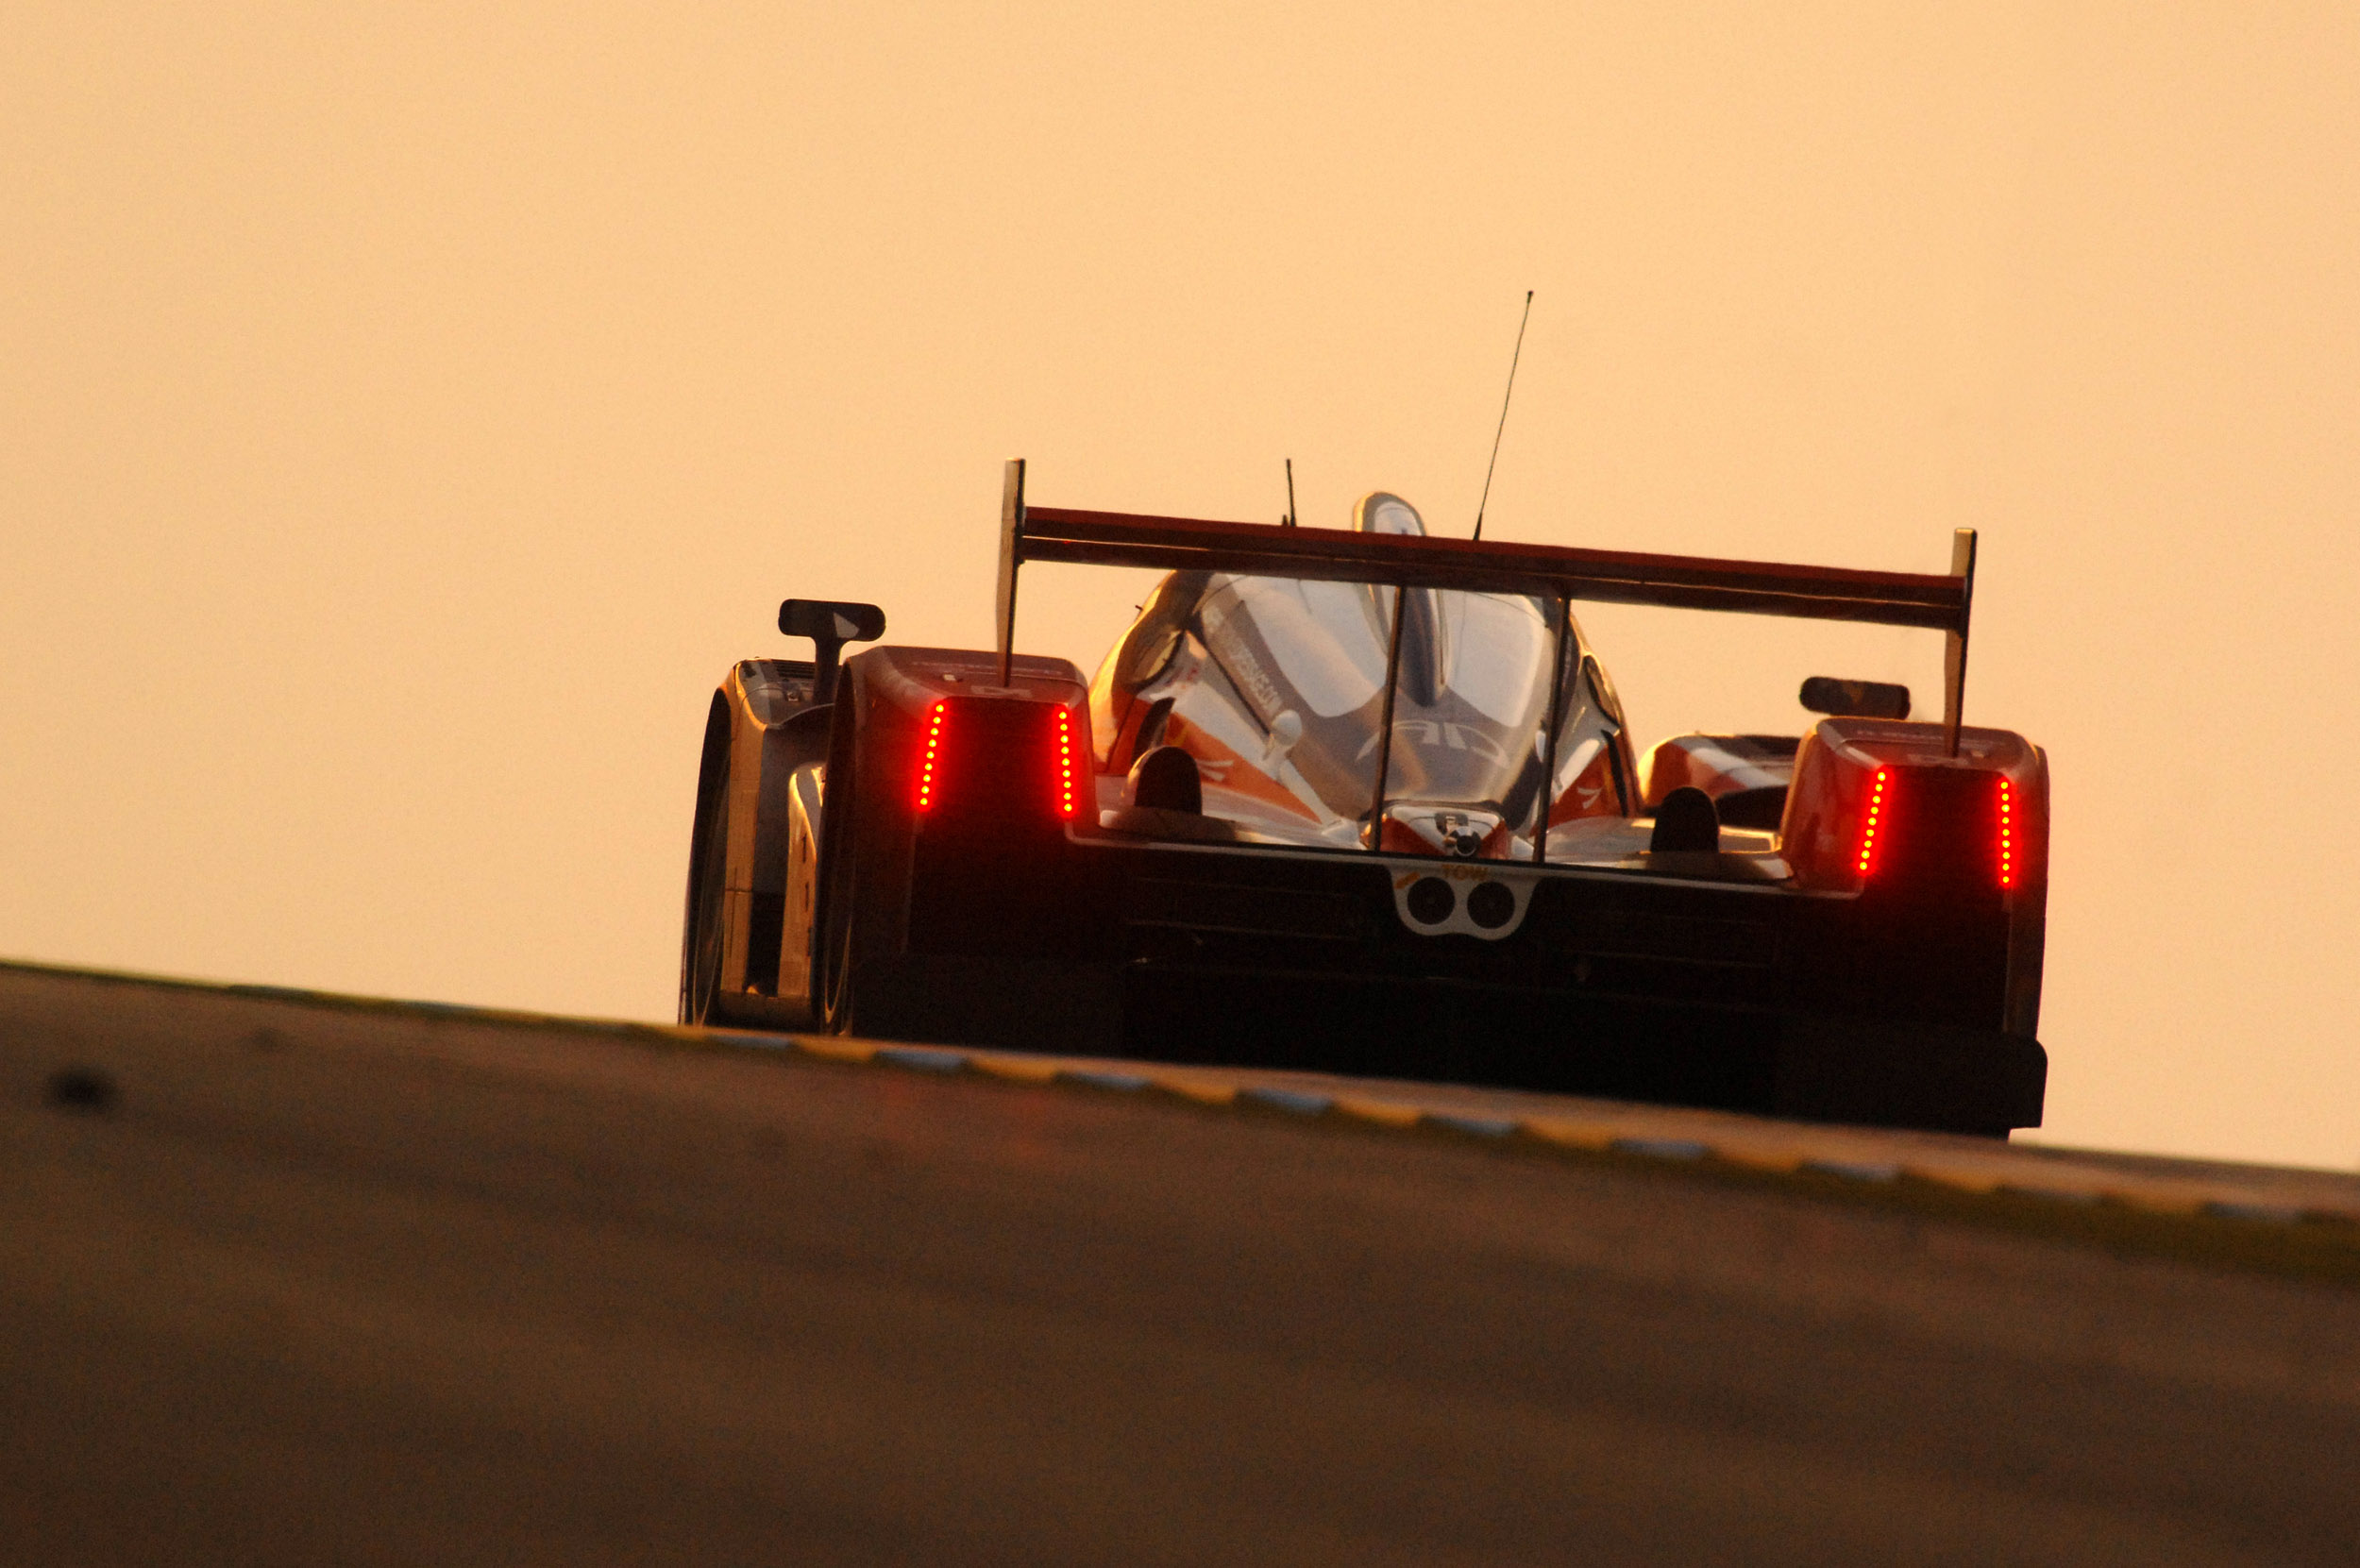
{"type": "Point", "coordinates": [1373, 836]}
{"type": "Point", "coordinates": [1954, 639]}
{"type": "Point", "coordinates": [1548, 734]}
{"type": "Point", "coordinates": [1011, 556]}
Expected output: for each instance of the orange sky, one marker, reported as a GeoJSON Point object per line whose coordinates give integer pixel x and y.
{"type": "Point", "coordinates": [411, 410]}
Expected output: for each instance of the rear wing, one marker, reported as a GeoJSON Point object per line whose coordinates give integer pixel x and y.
{"type": "Point", "coordinates": [1545, 571]}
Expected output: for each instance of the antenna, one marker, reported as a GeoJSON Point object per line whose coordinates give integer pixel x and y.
{"type": "Point", "coordinates": [1290, 492]}
{"type": "Point", "coordinates": [1503, 430]}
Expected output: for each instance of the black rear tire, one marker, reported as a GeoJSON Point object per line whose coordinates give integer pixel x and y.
{"type": "Point", "coordinates": [837, 1010]}
{"type": "Point", "coordinates": [702, 933]}
{"type": "Point", "coordinates": [864, 860]}
{"type": "Point", "coordinates": [839, 961]}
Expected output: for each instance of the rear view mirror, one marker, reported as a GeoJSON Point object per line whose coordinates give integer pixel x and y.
{"type": "Point", "coordinates": [829, 625]}
{"type": "Point", "coordinates": [1825, 694]}
{"type": "Point", "coordinates": [825, 621]}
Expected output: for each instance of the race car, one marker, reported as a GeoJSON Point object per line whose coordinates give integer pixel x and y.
{"type": "Point", "coordinates": [1365, 800]}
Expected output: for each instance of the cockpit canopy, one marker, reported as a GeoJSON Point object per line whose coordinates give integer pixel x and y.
{"type": "Point", "coordinates": [1277, 686]}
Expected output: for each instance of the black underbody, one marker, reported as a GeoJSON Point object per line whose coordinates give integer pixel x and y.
{"type": "Point", "coordinates": [1878, 1007]}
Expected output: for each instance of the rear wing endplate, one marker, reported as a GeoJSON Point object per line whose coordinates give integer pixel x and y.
{"type": "Point", "coordinates": [1549, 571]}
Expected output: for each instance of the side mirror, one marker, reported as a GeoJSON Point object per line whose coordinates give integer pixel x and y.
{"type": "Point", "coordinates": [829, 625]}
{"type": "Point", "coordinates": [1825, 694]}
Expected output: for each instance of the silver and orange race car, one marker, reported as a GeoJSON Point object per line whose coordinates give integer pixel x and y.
{"type": "Point", "coordinates": [1364, 800]}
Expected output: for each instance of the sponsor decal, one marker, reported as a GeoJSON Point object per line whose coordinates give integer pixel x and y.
{"type": "Point", "coordinates": [1453, 872]}
{"type": "Point", "coordinates": [1238, 660]}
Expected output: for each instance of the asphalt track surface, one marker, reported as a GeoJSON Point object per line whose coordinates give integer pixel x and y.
{"type": "Point", "coordinates": [294, 1283]}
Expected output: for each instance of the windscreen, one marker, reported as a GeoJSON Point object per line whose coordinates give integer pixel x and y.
{"type": "Point", "coordinates": [1289, 681]}
{"type": "Point", "coordinates": [1474, 682]}
{"type": "Point", "coordinates": [1277, 687]}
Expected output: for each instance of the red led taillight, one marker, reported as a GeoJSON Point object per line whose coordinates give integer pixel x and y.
{"type": "Point", "coordinates": [1872, 821]}
{"type": "Point", "coordinates": [979, 763]}
{"type": "Point", "coordinates": [2007, 835]}
{"type": "Point", "coordinates": [1068, 763]}
{"type": "Point", "coordinates": [934, 750]}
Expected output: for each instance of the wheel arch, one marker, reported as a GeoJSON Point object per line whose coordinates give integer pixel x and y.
{"type": "Point", "coordinates": [760, 726]}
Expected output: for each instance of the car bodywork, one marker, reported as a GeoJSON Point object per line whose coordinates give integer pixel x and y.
{"type": "Point", "coordinates": [1365, 800]}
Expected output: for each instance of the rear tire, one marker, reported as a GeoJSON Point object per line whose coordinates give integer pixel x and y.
{"type": "Point", "coordinates": [702, 934]}
{"type": "Point", "coordinates": [839, 961]}
{"type": "Point", "coordinates": [836, 1011]}
{"type": "Point", "coordinates": [864, 863]}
